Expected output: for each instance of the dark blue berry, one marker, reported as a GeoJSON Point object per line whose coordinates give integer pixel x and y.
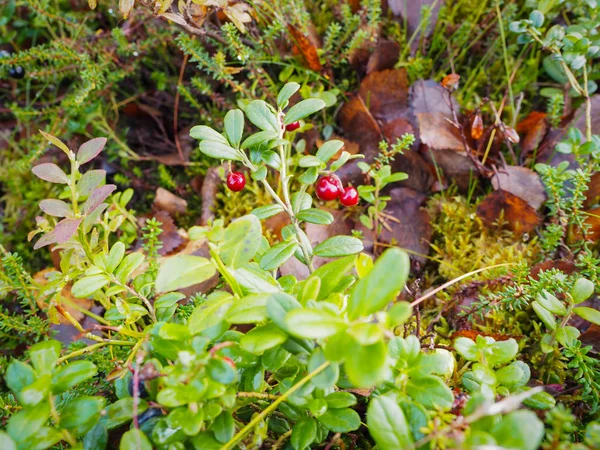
{"type": "Point", "coordinates": [16, 72]}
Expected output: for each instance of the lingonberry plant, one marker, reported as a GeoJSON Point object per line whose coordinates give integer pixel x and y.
{"type": "Point", "coordinates": [260, 360]}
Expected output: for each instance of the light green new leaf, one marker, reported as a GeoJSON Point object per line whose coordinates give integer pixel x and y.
{"type": "Point", "coordinates": [278, 254]}
{"type": "Point", "coordinates": [260, 339]}
{"type": "Point", "coordinates": [204, 133]}
{"type": "Point", "coordinates": [314, 323]}
{"type": "Point", "coordinates": [302, 109]}
{"type": "Point", "coordinates": [234, 126]}
{"type": "Point", "coordinates": [589, 314]}
{"type": "Point", "coordinates": [387, 424]}
{"type": "Point", "coordinates": [285, 93]}
{"type": "Point", "coordinates": [135, 439]}
{"type": "Point", "coordinates": [219, 150]}
{"type": "Point", "coordinates": [210, 312]}
{"type": "Point", "coordinates": [182, 271]}
{"type": "Point", "coordinates": [338, 246]}
{"type": "Point", "coordinates": [264, 212]}
{"type": "Point", "coordinates": [259, 113]}
{"type": "Point", "coordinates": [86, 286]}
{"type": "Point", "coordinates": [328, 149]}
{"type": "Point", "coordinates": [431, 392]}
{"type": "Point", "coordinates": [381, 285]}
{"type": "Point", "coordinates": [241, 241]}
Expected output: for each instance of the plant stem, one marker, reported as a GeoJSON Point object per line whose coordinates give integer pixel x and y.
{"type": "Point", "coordinates": [259, 417]}
{"type": "Point", "coordinates": [136, 295]}
{"type": "Point", "coordinates": [231, 281]}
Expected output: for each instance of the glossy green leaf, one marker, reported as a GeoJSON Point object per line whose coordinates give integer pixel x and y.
{"type": "Point", "coordinates": [219, 150]}
{"type": "Point", "coordinates": [260, 339]}
{"type": "Point", "coordinates": [129, 264]}
{"type": "Point", "coordinates": [332, 273]}
{"type": "Point", "coordinates": [204, 133]}
{"type": "Point", "coordinates": [210, 312]}
{"type": "Point", "coordinates": [302, 109]}
{"type": "Point", "coordinates": [366, 364]}
{"type": "Point", "coordinates": [36, 392]}
{"type": "Point", "coordinates": [304, 434]}
{"type": "Point", "coordinates": [340, 399]}
{"type": "Point", "coordinates": [285, 94]}
{"type": "Point", "coordinates": [338, 246]}
{"type": "Point", "coordinates": [329, 149]}
{"type": "Point", "coordinates": [223, 427]}
{"type": "Point", "coordinates": [43, 355]}
{"type": "Point", "coordinates": [86, 286]}
{"type": "Point", "coordinates": [340, 420]}
{"type": "Point", "coordinates": [589, 314]}
{"type": "Point", "coordinates": [314, 323]}
{"type": "Point", "coordinates": [121, 411]}
{"type": "Point", "coordinates": [264, 212]}
{"type": "Point", "coordinates": [520, 430]}
{"type": "Point", "coordinates": [545, 316]}
{"type": "Point", "coordinates": [115, 256]}
{"type": "Point", "coordinates": [381, 285]}
{"type": "Point", "coordinates": [70, 375]}
{"type": "Point", "coordinates": [328, 377]}
{"type": "Point", "coordinates": [23, 425]}
{"type": "Point", "coordinates": [166, 305]}
{"type": "Point", "coordinates": [317, 216]}
{"type": "Point", "coordinates": [259, 138]}
{"type": "Point", "coordinates": [399, 313]}
{"type": "Point", "coordinates": [431, 392]}
{"type": "Point", "coordinates": [135, 439]}
{"type": "Point", "coordinates": [249, 309]}
{"type": "Point", "coordinates": [277, 255]}
{"type": "Point", "coordinates": [387, 424]}
{"type": "Point", "coordinates": [259, 113]}
{"type": "Point", "coordinates": [582, 290]}
{"type": "Point", "coordinates": [6, 443]}
{"type": "Point", "coordinates": [81, 414]}
{"type": "Point", "coordinates": [18, 375]}
{"type": "Point", "coordinates": [234, 127]}
{"type": "Point", "coordinates": [241, 241]}
{"type": "Point", "coordinates": [552, 304]}
{"type": "Point", "coordinates": [182, 271]}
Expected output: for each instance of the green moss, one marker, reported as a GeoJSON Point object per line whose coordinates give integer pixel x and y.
{"type": "Point", "coordinates": [461, 243]}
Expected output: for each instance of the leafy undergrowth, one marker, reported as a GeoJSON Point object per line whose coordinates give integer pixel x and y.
{"type": "Point", "coordinates": [312, 225]}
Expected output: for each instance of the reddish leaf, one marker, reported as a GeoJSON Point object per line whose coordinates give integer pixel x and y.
{"type": "Point", "coordinates": [50, 172]}
{"type": "Point", "coordinates": [56, 208]}
{"type": "Point", "coordinates": [90, 149]}
{"type": "Point", "coordinates": [65, 229]}
{"type": "Point", "coordinates": [533, 129]}
{"type": "Point", "coordinates": [386, 94]}
{"type": "Point", "coordinates": [90, 181]}
{"type": "Point", "coordinates": [385, 56]}
{"type": "Point", "coordinates": [518, 216]}
{"type": "Point", "coordinates": [523, 183]}
{"type": "Point", "coordinates": [306, 47]}
{"type": "Point", "coordinates": [97, 197]}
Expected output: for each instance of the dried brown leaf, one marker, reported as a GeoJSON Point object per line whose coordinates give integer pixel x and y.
{"type": "Point", "coordinates": [518, 216]}
{"type": "Point", "coordinates": [523, 183]}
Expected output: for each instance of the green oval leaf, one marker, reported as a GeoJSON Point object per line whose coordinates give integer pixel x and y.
{"type": "Point", "coordinates": [277, 255]}
{"type": "Point", "coordinates": [234, 126]}
{"type": "Point", "coordinates": [182, 271]}
{"type": "Point", "coordinates": [303, 109]}
{"type": "Point", "coordinates": [220, 150]}
{"type": "Point", "coordinates": [338, 246]}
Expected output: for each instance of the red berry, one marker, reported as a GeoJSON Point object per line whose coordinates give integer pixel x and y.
{"type": "Point", "coordinates": [327, 189]}
{"type": "Point", "coordinates": [292, 126]}
{"type": "Point", "coordinates": [236, 181]}
{"type": "Point", "coordinates": [349, 197]}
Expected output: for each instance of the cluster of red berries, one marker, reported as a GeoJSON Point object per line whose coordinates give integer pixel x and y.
{"type": "Point", "coordinates": [330, 188]}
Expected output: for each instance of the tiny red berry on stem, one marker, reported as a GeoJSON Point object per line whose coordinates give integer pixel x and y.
{"type": "Point", "coordinates": [327, 189]}
{"type": "Point", "coordinates": [292, 126]}
{"type": "Point", "coordinates": [236, 181]}
{"type": "Point", "coordinates": [349, 197]}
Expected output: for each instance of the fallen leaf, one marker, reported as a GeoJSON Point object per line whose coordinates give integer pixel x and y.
{"type": "Point", "coordinates": [565, 266]}
{"type": "Point", "coordinates": [532, 129]}
{"type": "Point", "coordinates": [306, 47]}
{"type": "Point", "coordinates": [592, 221]}
{"type": "Point", "coordinates": [169, 202]}
{"type": "Point", "coordinates": [171, 238]}
{"type": "Point", "coordinates": [386, 94]}
{"type": "Point", "coordinates": [592, 195]}
{"type": "Point", "coordinates": [430, 103]}
{"type": "Point", "coordinates": [411, 228]}
{"type": "Point", "coordinates": [518, 216]}
{"type": "Point", "coordinates": [208, 193]}
{"type": "Point", "coordinates": [523, 183]}
{"type": "Point", "coordinates": [384, 56]}
{"type": "Point", "coordinates": [455, 167]}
